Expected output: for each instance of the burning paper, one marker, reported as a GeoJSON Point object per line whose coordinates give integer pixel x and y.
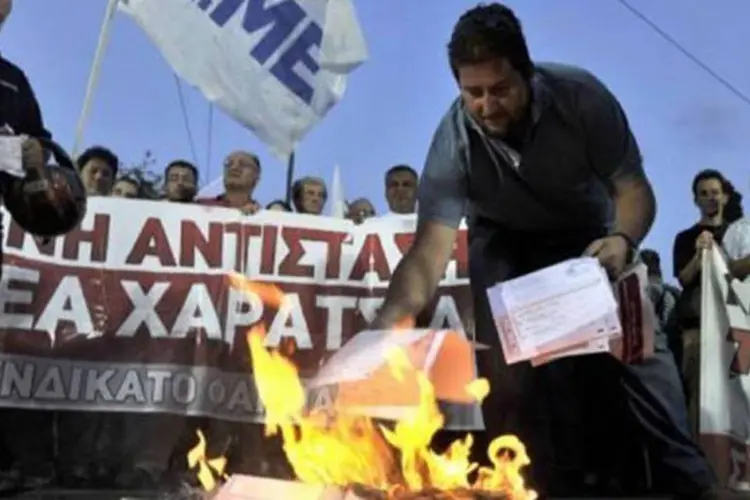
{"type": "Point", "coordinates": [364, 460]}
{"type": "Point", "coordinates": [362, 371]}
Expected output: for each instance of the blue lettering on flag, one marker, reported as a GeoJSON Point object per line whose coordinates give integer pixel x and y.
{"type": "Point", "coordinates": [283, 18]}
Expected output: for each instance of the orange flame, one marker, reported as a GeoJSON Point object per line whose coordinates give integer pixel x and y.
{"type": "Point", "coordinates": [342, 449]}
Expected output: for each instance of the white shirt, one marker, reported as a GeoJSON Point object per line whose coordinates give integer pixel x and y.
{"type": "Point", "coordinates": [736, 241]}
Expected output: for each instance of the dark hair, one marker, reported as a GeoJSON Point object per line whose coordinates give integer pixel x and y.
{"type": "Point", "coordinates": [279, 202]}
{"type": "Point", "coordinates": [99, 153]}
{"type": "Point", "coordinates": [733, 210]}
{"type": "Point", "coordinates": [487, 32]}
{"type": "Point", "coordinates": [401, 168]}
{"type": "Point", "coordinates": [652, 260]}
{"type": "Point", "coordinates": [299, 185]}
{"type": "Point", "coordinates": [182, 163]}
{"type": "Point", "coordinates": [705, 175]}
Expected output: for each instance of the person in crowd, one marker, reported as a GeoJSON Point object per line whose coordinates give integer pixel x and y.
{"type": "Point", "coordinates": [360, 210]}
{"type": "Point", "coordinates": [736, 244]}
{"type": "Point", "coordinates": [401, 189]}
{"type": "Point", "coordinates": [309, 195]}
{"type": "Point", "coordinates": [127, 187]}
{"type": "Point", "coordinates": [733, 211]}
{"type": "Point", "coordinates": [50, 207]}
{"type": "Point", "coordinates": [711, 194]}
{"type": "Point", "coordinates": [242, 171]}
{"type": "Point", "coordinates": [180, 181]}
{"type": "Point", "coordinates": [663, 295]}
{"type": "Point", "coordinates": [543, 157]}
{"type": "Point", "coordinates": [279, 206]}
{"type": "Point", "coordinates": [98, 166]}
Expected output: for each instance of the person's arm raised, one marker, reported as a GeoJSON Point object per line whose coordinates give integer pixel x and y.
{"type": "Point", "coordinates": [442, 198]}
{"type": "Point", "coordinates": [418, 274]}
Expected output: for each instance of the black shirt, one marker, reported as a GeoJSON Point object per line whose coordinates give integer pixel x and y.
{"type": "Point", "coordinates": [684, 248]}
{"type": "Point", "coordinates": [19, 108]}
{"type": "Point", "coordinates": [688, 306]}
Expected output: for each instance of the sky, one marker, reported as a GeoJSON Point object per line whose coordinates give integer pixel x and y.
{"type": "Point", "coordinates": [683, 118]}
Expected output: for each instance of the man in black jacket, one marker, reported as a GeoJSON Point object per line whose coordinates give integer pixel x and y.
{"type": "Point", "coordinates": [48, 201]}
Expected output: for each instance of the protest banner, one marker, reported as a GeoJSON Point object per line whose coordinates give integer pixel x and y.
{"type": "Point", "coordinates": [725, 370]}
{"type": "Point", "coordinates": [133, 312]}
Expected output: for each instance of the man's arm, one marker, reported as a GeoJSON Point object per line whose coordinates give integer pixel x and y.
{"type": "Point", "coordinates": [615, 156]}
{"type": "Point", "coordinates": [690, 272]}
{"type": "Point", "coordinates": [635, 206]}
{"type": "Point", "coordinates": [418, 274]}
{"type": "Point", "coordinates": [33, 124]}
{"type": "Point", "coordinates": [442, 198]}
{"type": "Point", "coordinates": [686, 260]}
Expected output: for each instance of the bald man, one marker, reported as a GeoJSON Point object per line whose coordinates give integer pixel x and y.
{"type": "Point", "coordinates": [241, 176]}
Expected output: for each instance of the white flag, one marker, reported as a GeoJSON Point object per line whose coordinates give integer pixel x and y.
{"type": "Point", "coordinates": [277, 67]}
{"type": "Point", "coordinates": [724, 371]}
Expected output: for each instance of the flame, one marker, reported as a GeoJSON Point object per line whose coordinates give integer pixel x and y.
{"type": "Point", "coordinates": [208, 469]}
{"type": "Point", "coordinates": [339, 448]}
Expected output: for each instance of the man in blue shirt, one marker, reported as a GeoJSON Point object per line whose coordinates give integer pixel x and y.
{"type": "Point", "coordinates": [541, 160]}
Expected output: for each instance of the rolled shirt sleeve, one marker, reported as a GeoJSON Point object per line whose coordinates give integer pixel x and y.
{"type": "Point", "coordinates": [443, 185]}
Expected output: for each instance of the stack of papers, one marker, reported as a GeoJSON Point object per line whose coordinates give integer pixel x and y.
{"type": "Point", "coordinates": [571, 309]}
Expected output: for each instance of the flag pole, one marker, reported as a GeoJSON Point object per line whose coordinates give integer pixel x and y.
{"type": "Point", "coordinates": [289, 178]}
{"type": "Point", "coordinates": [94, 73]}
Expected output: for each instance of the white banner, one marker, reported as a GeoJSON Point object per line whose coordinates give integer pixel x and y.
{"type": "Point", "coordinates": [725, 364]}
{"type": "Point", "coordinates": [277, 67]}
{"type": "Point", "coordinates": [133, 311]}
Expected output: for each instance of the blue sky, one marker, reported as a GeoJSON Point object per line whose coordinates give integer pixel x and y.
{"type": "Point", "coordinates": [683, 119]}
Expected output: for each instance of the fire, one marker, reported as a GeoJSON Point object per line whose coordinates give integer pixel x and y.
{"type": "Point", "coordinates": [335, 447]}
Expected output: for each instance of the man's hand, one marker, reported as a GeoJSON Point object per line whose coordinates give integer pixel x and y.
{"type": "Point", "coordinates": [32, 155]}
{"type": "Point", "coordinates": [250, 208]}
{"type": "Point", "coordinates": [612, 253]}
{"type": "Point", "coordinates": [704, 241]}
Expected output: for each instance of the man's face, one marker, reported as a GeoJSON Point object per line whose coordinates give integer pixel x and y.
{"type": "Point", "coordinates": [125, 189]}
{"type": "Point", "coordinates": [401, 192]}
{"type": "Point", "coordinates": [495, 94]}
{"type": "Point", "coordinates": [361, 210]}
{"type": "Point", "coordinates": [180, 185]}
{"type": "Point", "coordinates": [241, 171]}
{"type": "Point", "coordinates": [313, 198]}
{"type": "Point", "coordinates": [98, 177]}
{"type": "Point", "coordinates": [710, 197]}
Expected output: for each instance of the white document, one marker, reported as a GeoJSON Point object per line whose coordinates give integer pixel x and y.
{"type": "Point", "coordinates": [368, 351]}
{"type": "Point", "coordinates": [563, 306]}
{"type": "Point", "coordinates": [11, 155]}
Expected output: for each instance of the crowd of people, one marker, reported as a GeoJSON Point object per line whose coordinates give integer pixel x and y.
{"type": "Point", "coordinates": [102, 176]}
{"type": "Point", "coordinates": [677, 308]}
{"type": "Point", "coordinates": [537, 186]}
